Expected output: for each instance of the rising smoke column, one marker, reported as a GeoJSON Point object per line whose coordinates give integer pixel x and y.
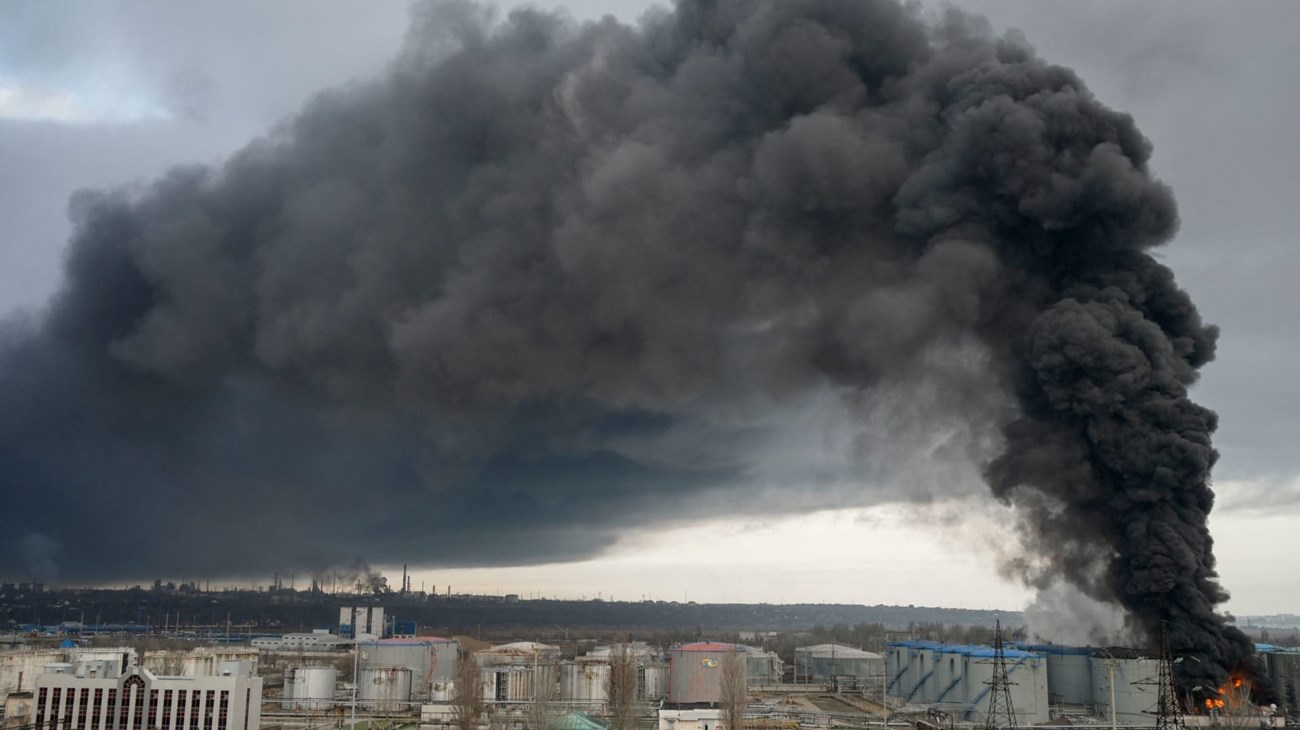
{"type": "Point", "coordinates": [545, 282]}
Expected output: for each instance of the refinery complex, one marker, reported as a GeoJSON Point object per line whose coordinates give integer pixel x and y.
{"type": "Point", "coordinates": [372, 669]}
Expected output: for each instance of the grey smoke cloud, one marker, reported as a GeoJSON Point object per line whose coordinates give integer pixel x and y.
{"type": "Point", "coordinates": [545, 281]}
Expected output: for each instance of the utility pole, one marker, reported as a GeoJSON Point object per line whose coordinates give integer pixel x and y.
{"type": "Point", "coordinates": [1002, 715]}
{"type": "Point", "coordinates": [356, 679]}
{"type": "Point", "coordinates": [1110, 674]}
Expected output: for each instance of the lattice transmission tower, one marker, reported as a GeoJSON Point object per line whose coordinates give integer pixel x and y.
{"type": "Point", "coordinates": [1168, 714]}
{"type": "Point", "coordinates": [1002, 715]}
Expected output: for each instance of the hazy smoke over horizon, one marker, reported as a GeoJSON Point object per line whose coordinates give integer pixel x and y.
{"type": "Point", "coordinates": [546, 282]}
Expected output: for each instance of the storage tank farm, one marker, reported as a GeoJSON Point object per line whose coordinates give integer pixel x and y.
{"type": "Point", "coordinates": [955, 678]}
{"type": "Point", "coordinates": [431, 659]}
{"type": "Point", "coordinates": [695, 672]}
{"type": "Point", "coordinates": [585, 680]}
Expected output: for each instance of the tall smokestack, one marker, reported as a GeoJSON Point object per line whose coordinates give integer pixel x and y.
{"type": "Point", "coordinates": [552, 281]}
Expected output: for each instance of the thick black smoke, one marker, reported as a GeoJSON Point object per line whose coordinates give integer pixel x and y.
{"type": "Point", "coordinates": [546, 281]}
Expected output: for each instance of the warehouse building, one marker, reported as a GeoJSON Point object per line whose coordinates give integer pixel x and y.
{"type": "Point", "coordinates": [318, 640]}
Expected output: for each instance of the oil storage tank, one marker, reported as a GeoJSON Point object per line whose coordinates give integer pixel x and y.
{"type": "Point", "coordinates": [653, 680]}
{"type": "Point", "coordinates": [905, 667]}
{"type": "Point", "coordinates": [446, 652]}
{"type": "Point", "coordinates": [310, 688]}
{"type": "Point", "coordinates": [513, 672]}
{"type": "Point", "coordinates": [1135, 681]}
{"type": "Point", "coordinates": [585, 680]}
{"type": "Point", "coordinates": [695, 671]}
{"type": "Point", "coordinates": [1069, 673]}
{"type": "Point", "coordinates": [427, 657]}
{"type": "Point", "coordinates": [762, 667]}
{"type": "Point", "coordinates": [385, 689]}
{"type": "Point", "coordinates": [1027, 672]}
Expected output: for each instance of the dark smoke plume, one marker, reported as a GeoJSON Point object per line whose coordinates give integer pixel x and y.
{"type": "Point", "coordinates": [546, 281]}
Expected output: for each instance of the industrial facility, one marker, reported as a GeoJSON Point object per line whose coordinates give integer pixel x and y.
{"type": "Point", "coordinates": [392, 674]}
{"type": "Point", "coordinates": [956, 679]}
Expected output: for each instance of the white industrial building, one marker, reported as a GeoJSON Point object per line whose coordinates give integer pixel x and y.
{"type": "Point", "coordinates": [318, 640]}
{"type": "Point", "coordinates": [363, 623]}
{"type": "Point", "coordinates": [19, 668]}
{"type": "Point", "coordinates": [97, 695]}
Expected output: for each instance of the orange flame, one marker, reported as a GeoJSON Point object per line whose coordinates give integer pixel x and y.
{"type": "Point", "coordinates": [1234, 694]}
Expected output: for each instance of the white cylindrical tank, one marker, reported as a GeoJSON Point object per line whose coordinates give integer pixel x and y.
{"type": "Point", "coordinates": [1135, 689]}
{"type": "Point", "coordinates": [903, 666]}
{"type": "Point", "coordinates": [1069, 673]}
{"type": "Point", "coordinates": [762, 667]}
{"type": "Point", "coordinates": [655, 681]}
{"type": "Point", "coordinates": [414, 654]}
{"type": "Point", "coordinates": [584, 681]}
{"type": "Point", "coordinates": [310, 688]}
{"type": "Point", "coordinates": [446, 652]}
{"type": "Point", "coordinates": [1027, 673]}
{"type": "Point", "coordinates": [385, 689]}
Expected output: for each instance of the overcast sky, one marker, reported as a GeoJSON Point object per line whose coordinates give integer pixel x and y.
{"type": "Point", "coordinates": [99, 93]}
